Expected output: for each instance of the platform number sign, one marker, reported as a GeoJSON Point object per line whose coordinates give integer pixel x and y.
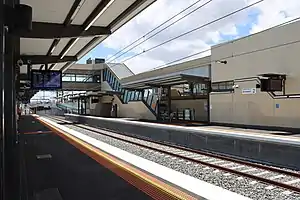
{"type": "Point", "coordinates": [249, 91]}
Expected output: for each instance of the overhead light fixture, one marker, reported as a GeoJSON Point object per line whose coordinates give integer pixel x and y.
{"type": "Point", "coordinates": [53, 48]}
{"type": "Point", "coordinates": [77, 10]}
{"type": "Point", "coordinates": [65, 53]}
{"type": "Point", "coordinates": [99, 14]}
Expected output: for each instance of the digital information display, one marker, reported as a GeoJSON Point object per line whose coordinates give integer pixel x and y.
{"type": "Point", "coordinates": [46, 80]}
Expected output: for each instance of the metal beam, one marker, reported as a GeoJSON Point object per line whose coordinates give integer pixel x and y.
{"type": "Point", "coordinates": [41, 59]}
{"type": "Point", "coordinates": [85, 24]}
{"type": "Point", "coordinates": [2, 103]}
{"type": "Point", "coordinates": [70, 17]}
{"type": "Point", "coordinates": [98, 9]}
{"type": "Point", "coordinates": [127, 12]}
{"type": "Point", "coordinates": [45, 30]}
{"type": "Point", "coordinates": [95, 13]}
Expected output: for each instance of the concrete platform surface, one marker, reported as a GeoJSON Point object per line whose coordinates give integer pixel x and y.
{"type": "Point", "coordinates": [54, 168]}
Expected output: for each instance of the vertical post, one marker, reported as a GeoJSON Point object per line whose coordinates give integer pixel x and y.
{"type": "Point", "coordinates": [78, 106]}
{"type": "Point", "coordinates": [10, 109]}
{"type": "Point", "coordinates": [2, 147]}
{"type": "Point", "coordinates": [85, 104]}
{"type": "Point", "coordinates": [169, 100]}
{"type": "Point", "coordinates": [17, 149]}
{"type": "Point", "coordinates": [208, 88]}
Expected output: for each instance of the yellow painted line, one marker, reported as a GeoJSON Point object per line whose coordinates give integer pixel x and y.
{"type": "Point", "coordinates": [171, 191]}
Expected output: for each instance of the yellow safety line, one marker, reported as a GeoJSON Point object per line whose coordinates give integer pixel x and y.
{"type": "Point", "coordinates": [121, 165]}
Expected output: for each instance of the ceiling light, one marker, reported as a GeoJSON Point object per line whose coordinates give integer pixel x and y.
{"type": "Point", "coordinates": [99, 14]}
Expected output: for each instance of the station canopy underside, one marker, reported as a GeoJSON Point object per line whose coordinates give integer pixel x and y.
{"type": "Point", "coordinates": [64, 31]}
{"type": "Point", "coordinates": [167, 80]}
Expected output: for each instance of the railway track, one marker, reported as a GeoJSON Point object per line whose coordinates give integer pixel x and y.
{"type": "Point", "coordinates": [273, 177]}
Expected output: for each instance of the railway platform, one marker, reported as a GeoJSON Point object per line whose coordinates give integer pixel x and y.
{"type": "Point", "coordinates": [52, 168]}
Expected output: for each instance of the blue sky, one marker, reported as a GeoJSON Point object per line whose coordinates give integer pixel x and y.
{"type": "Point", "coordinates": [101, 51]}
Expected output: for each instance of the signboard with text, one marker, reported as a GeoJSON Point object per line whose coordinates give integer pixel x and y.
{"type": "Point", "coordinates": [249, 91]}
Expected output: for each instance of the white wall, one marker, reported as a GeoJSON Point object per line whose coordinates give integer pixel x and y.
{"type": "Point", "coordinates": [283, 59]}
{"type": "Point", "coordinates": [259, 108]}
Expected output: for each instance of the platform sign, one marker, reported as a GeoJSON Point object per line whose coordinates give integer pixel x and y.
{"type": "Point", "coordinates": [249, 91]}
{"type": "Point", "coordinates": [46, 79]}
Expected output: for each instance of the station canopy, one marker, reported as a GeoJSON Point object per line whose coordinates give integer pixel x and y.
{"type": "Point", "coordinates": [167, 80]}
{"type": "Point", "coordinates": [63, 31]}
{"type": "Point", "coordinates": [196, 71]}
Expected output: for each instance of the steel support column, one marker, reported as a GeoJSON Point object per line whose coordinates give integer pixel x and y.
{"type": "Point", "coordinates": [12, 168]}
{"type": "Point", "coordinates": [169, 102]}
{"type": "Point", "coordinates": [2, 64]}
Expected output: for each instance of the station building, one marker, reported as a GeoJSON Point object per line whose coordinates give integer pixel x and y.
{"type": "Point", "coordinates": [252, 81]}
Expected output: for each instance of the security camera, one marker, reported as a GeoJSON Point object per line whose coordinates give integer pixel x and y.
{"type": "Point", "coordinates": [20, 62]}
{"type": "Point", "coordinates": [28, 62]}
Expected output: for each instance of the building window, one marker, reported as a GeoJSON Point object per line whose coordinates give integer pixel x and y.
{"type": "Point", "coordinates": [226, 86]}
{"type": "Point", "coordinates": [68, 78]}
{"type": "Point", "coordinates": [200, 89]}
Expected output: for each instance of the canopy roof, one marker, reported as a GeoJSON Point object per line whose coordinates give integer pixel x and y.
{"type": "Point", "coordinates": [169, 80]}
{"type": "Point", "coordinates": [64, 31]}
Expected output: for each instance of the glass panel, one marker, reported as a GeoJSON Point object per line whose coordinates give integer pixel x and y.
{"type": "Point", "coordinates": [229, 85]}
{"type": "Point", "coordinates": [129, 96]}
{"type": "Point", "coordinates": [215, 86]}
{"type": "Point", "coordinates": [149, 100]}
{"type": "Point", "coordinates": [69, 77]}
{"type": "Point", "coordinates": [105, 74]}
{"type": "Point", "coordinates": [132, 96]}
{"type": "Point", "coordinates": [222, 86]}
{"type": "Point", "coordinates": [81, 78]}
{"type": "Point", "coordinates": [125, 96]}
{"type": "Point", "coordinates": [147, 95]}
{"type": "Point", "coordinates": [122, 95]}
{"type": "Point", "coordinates": [137, 95]}
{"type": "Point", "coordinates": [90, 79]}
{"type": "Point", "coordinates": [115, 83]}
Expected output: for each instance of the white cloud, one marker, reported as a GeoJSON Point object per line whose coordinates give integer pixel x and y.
{"type": "Point", "coordinates": [275, 12]}
{"type": "Point", "coordinates": [271, 12]}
